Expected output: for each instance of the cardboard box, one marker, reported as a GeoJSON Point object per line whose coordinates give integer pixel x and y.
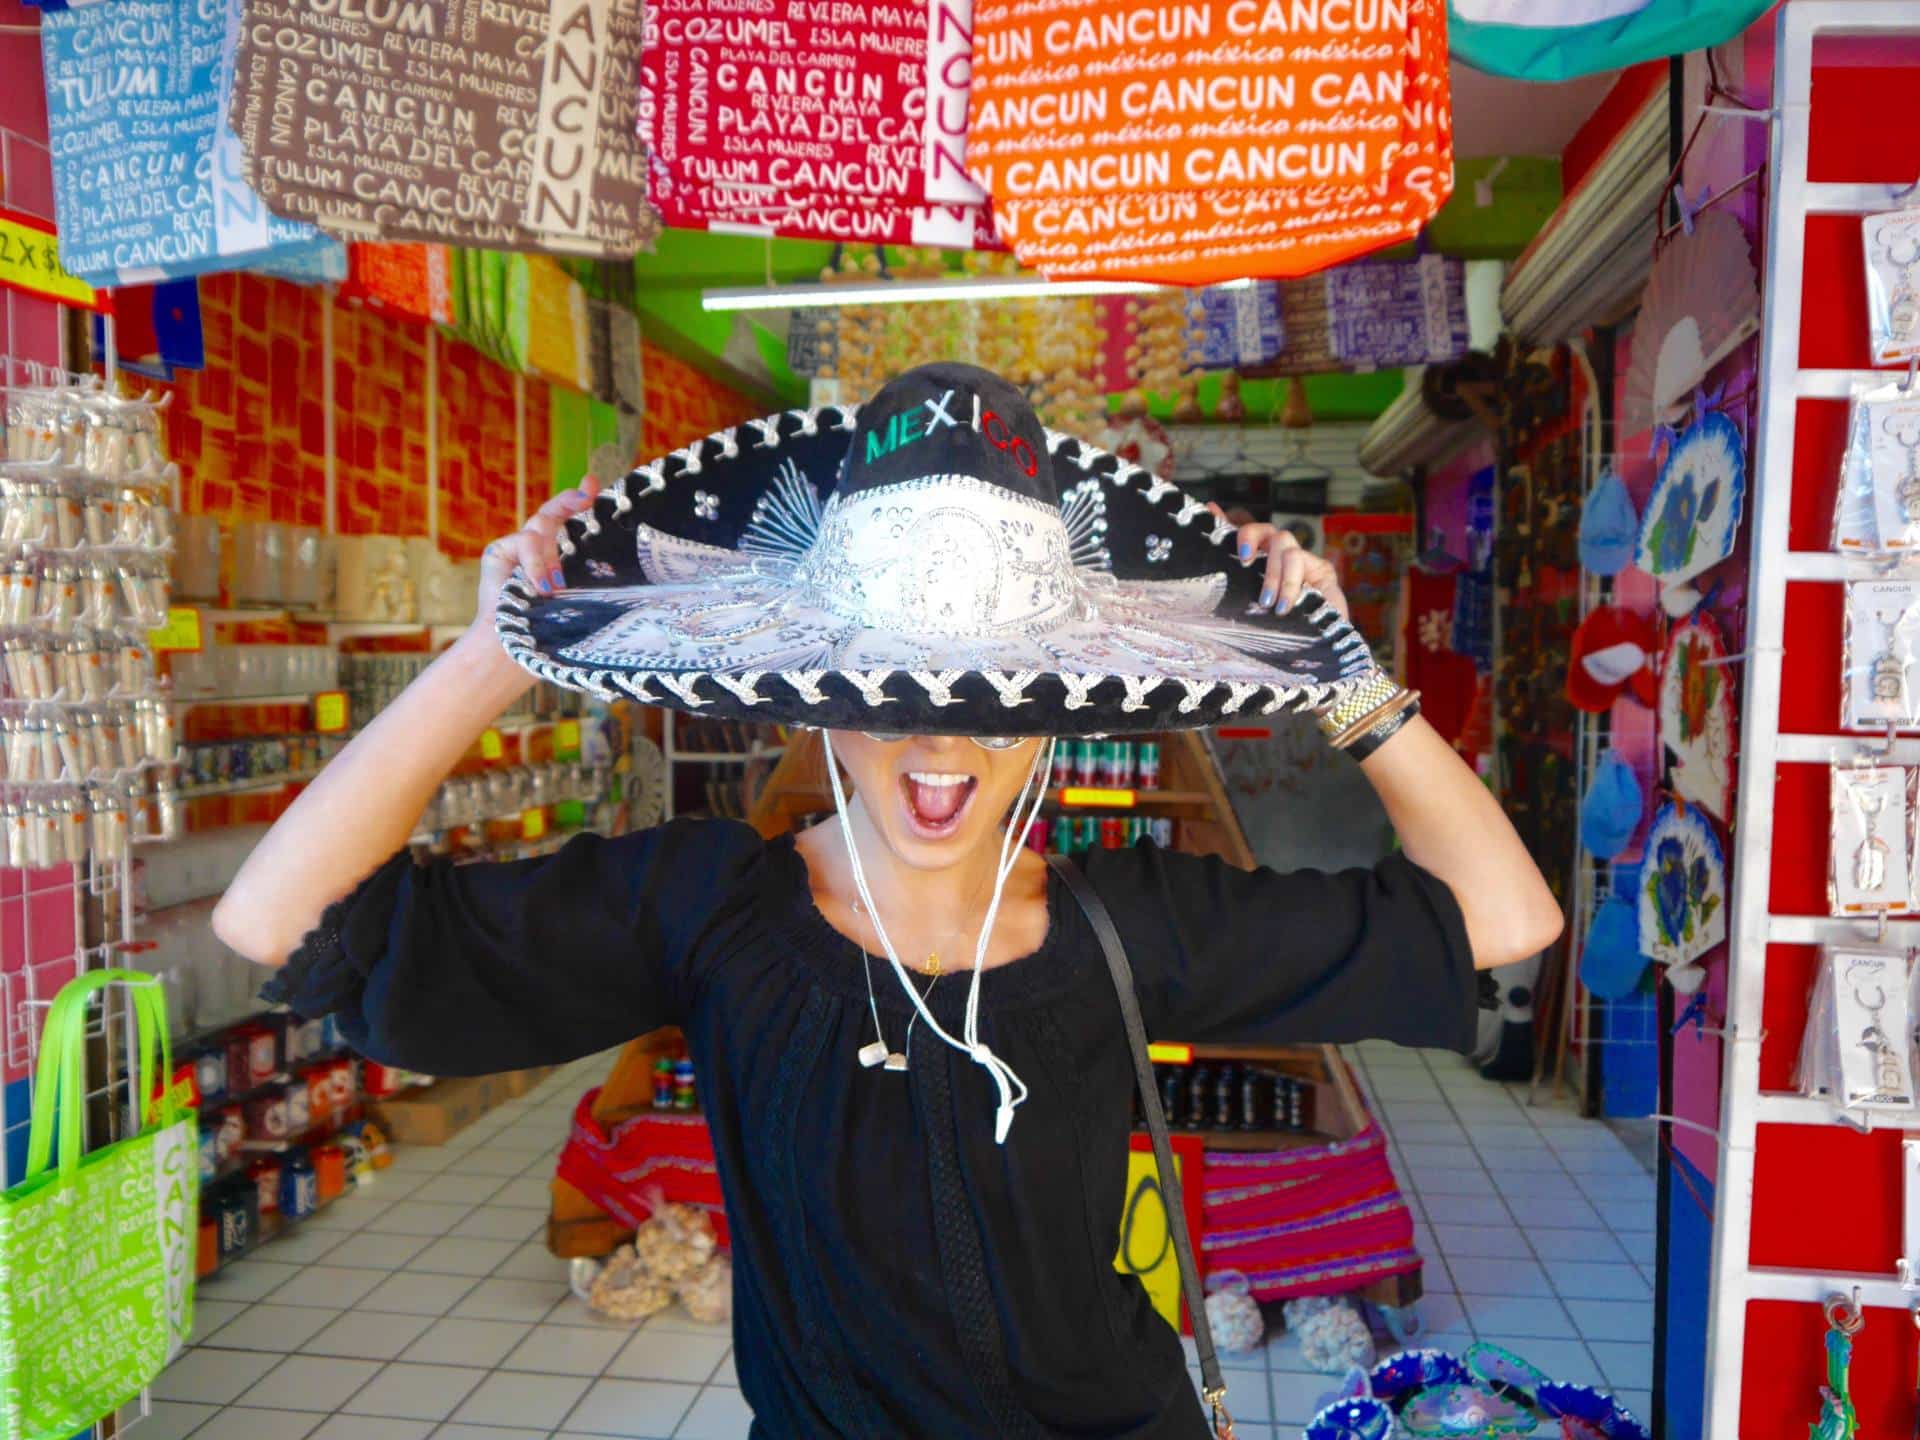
{"type": "Point", "coordinates": [522, 1082]}
{"type": "Point", "coordinates": [436, 1114]}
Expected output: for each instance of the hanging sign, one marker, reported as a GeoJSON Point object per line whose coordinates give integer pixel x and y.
{"type": "Point", "coordinates": [752, 115]}
{"type": "Point", "coordinates": [181, 632]}
{"type": "Point", "coordinates": [147, 182]}
{"type": "Point", "coordinates": [1146, 1235]}
{"type": "Point", "coordinates": [330, 712]}
{"type": "Point", "coordinates": [1209, 141]}
{"type": "Point", "coordinates": [949, 82]}
{"type": "Point", "coordinates": [876, 222]}
{"type": "Point", "coordinates": [30, 261]}
{"type": "Point", "coordinates": [507, 124]}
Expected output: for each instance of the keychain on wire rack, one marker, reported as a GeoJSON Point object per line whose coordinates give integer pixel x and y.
{"type": "Point", "coordinates": [1838, 1418]}
{"type": "Point", "coordinates": [1873, 807]}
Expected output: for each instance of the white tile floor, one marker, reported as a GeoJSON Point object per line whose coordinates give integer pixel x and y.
{"type": "Point", "coordinates": [427, 1306]}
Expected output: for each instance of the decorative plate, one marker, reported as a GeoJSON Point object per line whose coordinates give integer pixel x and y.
{"type": "Point", "coordinates": [1683, 887]}
{"type": "Point", "coordinates": [1400, 1376]}
{"type": "Point", "coordinates": [647, 787]}
{"type": "Point", "coordinates": [1693, 516]}
{"type": "Point", "coordinates": [1587, 1414]}
{"type": "Point", "coordinates": [1702, 300]}
{"type": "Point", "coordinates": [1506, 1371]}
{"type": "Point", "coordinates": [1697, 718]}
{"type": "Point", "coordinates": [1361, 1419]}
{"type": "Point", "coordinates": [1464, 1412]}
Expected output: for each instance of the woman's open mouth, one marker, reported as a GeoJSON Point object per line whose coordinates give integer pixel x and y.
{"type": "Point", "coordinates": [936, 801]}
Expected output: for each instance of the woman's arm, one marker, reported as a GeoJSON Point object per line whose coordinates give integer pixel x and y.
{"type": "Point", "coordinates": [1448, 823]}
{"type": "Point", "coordinates": [1451, 826]}
{"type": "Point", "coordinates": [369, 798]}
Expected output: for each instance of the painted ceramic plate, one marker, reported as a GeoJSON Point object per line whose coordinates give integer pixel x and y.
{"type": "Point", "coordinates": [1464, 1412]}
{"type": "Point", "coordinates": [1683, 887]}
{"type": "Point", "coordinates": [1693, 516]}
{"type": "Point", "coordinates": [1351, 1420]}
{"type": "Point", "coordinates": [1502, 1369]}
{"type": "Point", "coordinates": [1400, 1376]}
{"type": "Point", "coordinates": [1697, 718]}
{"type": "Point", "coordinates": [1598, 1416]}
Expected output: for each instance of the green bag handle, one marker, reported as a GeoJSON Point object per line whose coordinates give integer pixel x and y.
{"type": "Point", "coordinates": [60, 1082]}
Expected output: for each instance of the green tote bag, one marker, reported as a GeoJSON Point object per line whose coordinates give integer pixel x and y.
{"type": "Point", "coordinates": [96, 1251]}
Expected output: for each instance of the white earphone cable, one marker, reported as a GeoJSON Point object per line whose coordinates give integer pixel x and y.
{"type": "Point", "coordinates": [1011, 1088]}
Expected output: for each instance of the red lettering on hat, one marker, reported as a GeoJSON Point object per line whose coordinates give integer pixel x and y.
{"type": "Point", "coordinates": [1002, 438]}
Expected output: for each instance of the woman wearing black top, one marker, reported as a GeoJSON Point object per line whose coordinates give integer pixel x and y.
{"type": "Point", "coordinates": [910, 1053]}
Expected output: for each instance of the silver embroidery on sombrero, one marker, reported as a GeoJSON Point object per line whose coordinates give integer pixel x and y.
{"type": "Point", "coordinates": [786, 604]}
{"type": "Point", "coordinates": [786, 520]}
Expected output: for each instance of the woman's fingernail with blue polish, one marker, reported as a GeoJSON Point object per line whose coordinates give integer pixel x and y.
{"type": "Point", "coordinates": [1246, 552]}
{"type": "Point", "coordinates": [1283, 607]}
{"type": "Point", "coordinates": [559, 578]}
{"type": "Point", "coordinates": [1266, 597]}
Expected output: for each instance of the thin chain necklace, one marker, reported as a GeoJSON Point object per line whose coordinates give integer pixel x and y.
{"type": "Point", "coordinates": [931, 966]}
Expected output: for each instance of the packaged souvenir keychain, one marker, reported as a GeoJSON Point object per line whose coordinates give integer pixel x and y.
{"type": "Point", "coordinates": [1893, 285]}
{"type": "Point", "coordinates": [1858, 1046]}
{"type": "Point", "coordinates": [1856, 523]}
{"type": "Point", "coordinates": [1871, 870]}
{"type": "Point", "coordinates": [1888, 427]}
{"type": "Point", "coordinates": [1882, 629]}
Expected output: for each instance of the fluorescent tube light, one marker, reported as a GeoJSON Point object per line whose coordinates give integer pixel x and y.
{"type": "Point", "coordinates": [907, 292]}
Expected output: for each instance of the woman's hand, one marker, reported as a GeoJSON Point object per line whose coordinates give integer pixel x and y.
{"type": "Point", "coordinates": [1291, 567]}
{"type": "Point", "coordinates": [533, 548]}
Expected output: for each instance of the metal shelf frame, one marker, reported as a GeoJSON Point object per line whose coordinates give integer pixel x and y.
{"type": "Point", "coordinates": [1736, 1281]}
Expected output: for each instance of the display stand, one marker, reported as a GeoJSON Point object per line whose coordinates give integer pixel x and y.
{"type": "Point", "coordinates": [1806, 1209]}
{"type": "Point", "coordinates": [1194, 796]}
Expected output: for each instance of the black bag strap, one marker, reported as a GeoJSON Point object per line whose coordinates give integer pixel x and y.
{"type": "Point", "coordinates": [1213, 1383]}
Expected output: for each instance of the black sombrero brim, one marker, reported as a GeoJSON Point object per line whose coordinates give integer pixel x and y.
{"type": "Point", "coordinates": [685, 587]}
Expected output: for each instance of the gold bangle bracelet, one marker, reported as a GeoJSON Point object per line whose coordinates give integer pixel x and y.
{"type": "Point", "coordinates": [1373, 718]}
{"type": "Point", "coordinates": [1366, 697]}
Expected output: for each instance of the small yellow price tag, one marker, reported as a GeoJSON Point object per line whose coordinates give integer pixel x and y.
{"type": "Point", "coordinates": [533, 824]}
{"type": "Point", "coordinates": [181, 632]}
{"type": "Point", "coordinates": [1166, 1052]}
{"type": "Point", "coordinates": [1091, 795]}
{"type": "Point", "coordinates": [330, 712]}
{"type": "Point", "coordinates": [492, 747]}
{"type": "Point", "coordinates": [566, 737]}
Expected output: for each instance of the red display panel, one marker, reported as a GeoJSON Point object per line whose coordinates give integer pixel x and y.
{"type": "Point", "coordinates": [1783, 1016]}
{"type": "Point", "coordinates": [1848, 137]}
{"type": "Point", "coordinates": [1810, 683]}
{"type": "Point", "coordinates": [1821, 442]}
{"type": "Point", "coordinates": [1833, 304]}
{"type": "Point", "coordinates": [1831, 1199]}
{"type": "Point", "coordinates": [1801, 803]}
{"type": "Point", "coordinates": [1786, 1364]}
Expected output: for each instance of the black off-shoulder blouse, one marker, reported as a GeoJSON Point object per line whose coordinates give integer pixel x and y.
{"type": "Point", "coordinates": [896, 1273]}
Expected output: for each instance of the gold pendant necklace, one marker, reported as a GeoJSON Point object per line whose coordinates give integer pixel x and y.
{"type": "Point", "coordinates": [932, 966]}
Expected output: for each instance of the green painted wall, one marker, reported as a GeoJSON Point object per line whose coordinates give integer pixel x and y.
{"type": "Point", "coordinates": [685, 262]}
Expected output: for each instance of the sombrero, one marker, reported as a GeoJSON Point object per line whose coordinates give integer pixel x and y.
{"type": "Point", "coordinates": [935, 563]}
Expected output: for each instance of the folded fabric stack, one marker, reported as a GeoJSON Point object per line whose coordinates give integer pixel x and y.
{"type": "Point", "coordinates": [642, 1163]}
{"type": "Point", "coordinates": [1318, 1220]}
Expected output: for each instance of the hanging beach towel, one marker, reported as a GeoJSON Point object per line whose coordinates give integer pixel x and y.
{"type": "Point", "coordinates": [146, 176]}
{"type": "Point", "coordinates": [1250, 141]}
{"type": "Point", "coordinates": [96, 1251]}
{"type": "Point", "coordinates": [1549, 40]}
